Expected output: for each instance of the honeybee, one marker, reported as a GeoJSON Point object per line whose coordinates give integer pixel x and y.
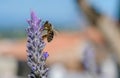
{"type": "Point", "coordinates": [49, 31]}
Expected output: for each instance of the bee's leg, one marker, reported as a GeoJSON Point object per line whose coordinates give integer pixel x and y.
{"type": "Point", "coordinates": [44, 36]}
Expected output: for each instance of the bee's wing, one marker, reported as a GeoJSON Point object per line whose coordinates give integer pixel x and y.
{"type": "Point", "coordinates": [56, 31]}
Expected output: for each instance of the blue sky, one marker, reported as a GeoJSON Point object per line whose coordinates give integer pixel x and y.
{"type": "Point", "coordinates": [61, 12]}
{"type": "Point", "coordinates": [17, 11]}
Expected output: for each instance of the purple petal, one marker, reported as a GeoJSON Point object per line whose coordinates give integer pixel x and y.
{"type": "Point", "coordinates": [29, 21]}
{"type": "Point", "coordinates": [33, 16]}
{"type": "Point", "coordinates": [33, 68]}
{"type": "Point", "coordinates": [45, 54]}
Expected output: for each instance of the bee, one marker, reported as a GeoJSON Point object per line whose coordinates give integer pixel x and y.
{"type": "Point", "coordinates": [49, 31]}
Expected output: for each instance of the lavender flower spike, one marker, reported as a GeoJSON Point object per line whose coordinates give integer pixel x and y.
{"type": "Point", "coordinates": [36, 58]}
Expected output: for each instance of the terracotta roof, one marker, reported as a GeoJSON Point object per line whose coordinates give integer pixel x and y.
{"type": "Point", "coordinates": [61, 44]}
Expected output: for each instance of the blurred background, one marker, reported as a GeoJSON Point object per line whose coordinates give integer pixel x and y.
{"type": "Point", "coordinates": [87, 44]}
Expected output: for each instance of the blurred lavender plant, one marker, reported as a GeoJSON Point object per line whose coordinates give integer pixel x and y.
{"type": "Point", "coordinates": [36, 58]}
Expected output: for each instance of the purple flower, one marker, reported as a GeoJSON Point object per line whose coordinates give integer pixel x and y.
{"type": "Point", "coordinates": [36, 59]}
{"type": "Point", "coordinates": [45, 54]}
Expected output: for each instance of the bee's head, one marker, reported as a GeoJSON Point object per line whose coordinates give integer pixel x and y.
{"type": "Point", "coordinates": [46, 22]}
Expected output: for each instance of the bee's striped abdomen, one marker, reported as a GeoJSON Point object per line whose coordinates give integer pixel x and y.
{"type": "Point", "coordinates": [50, 36]}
